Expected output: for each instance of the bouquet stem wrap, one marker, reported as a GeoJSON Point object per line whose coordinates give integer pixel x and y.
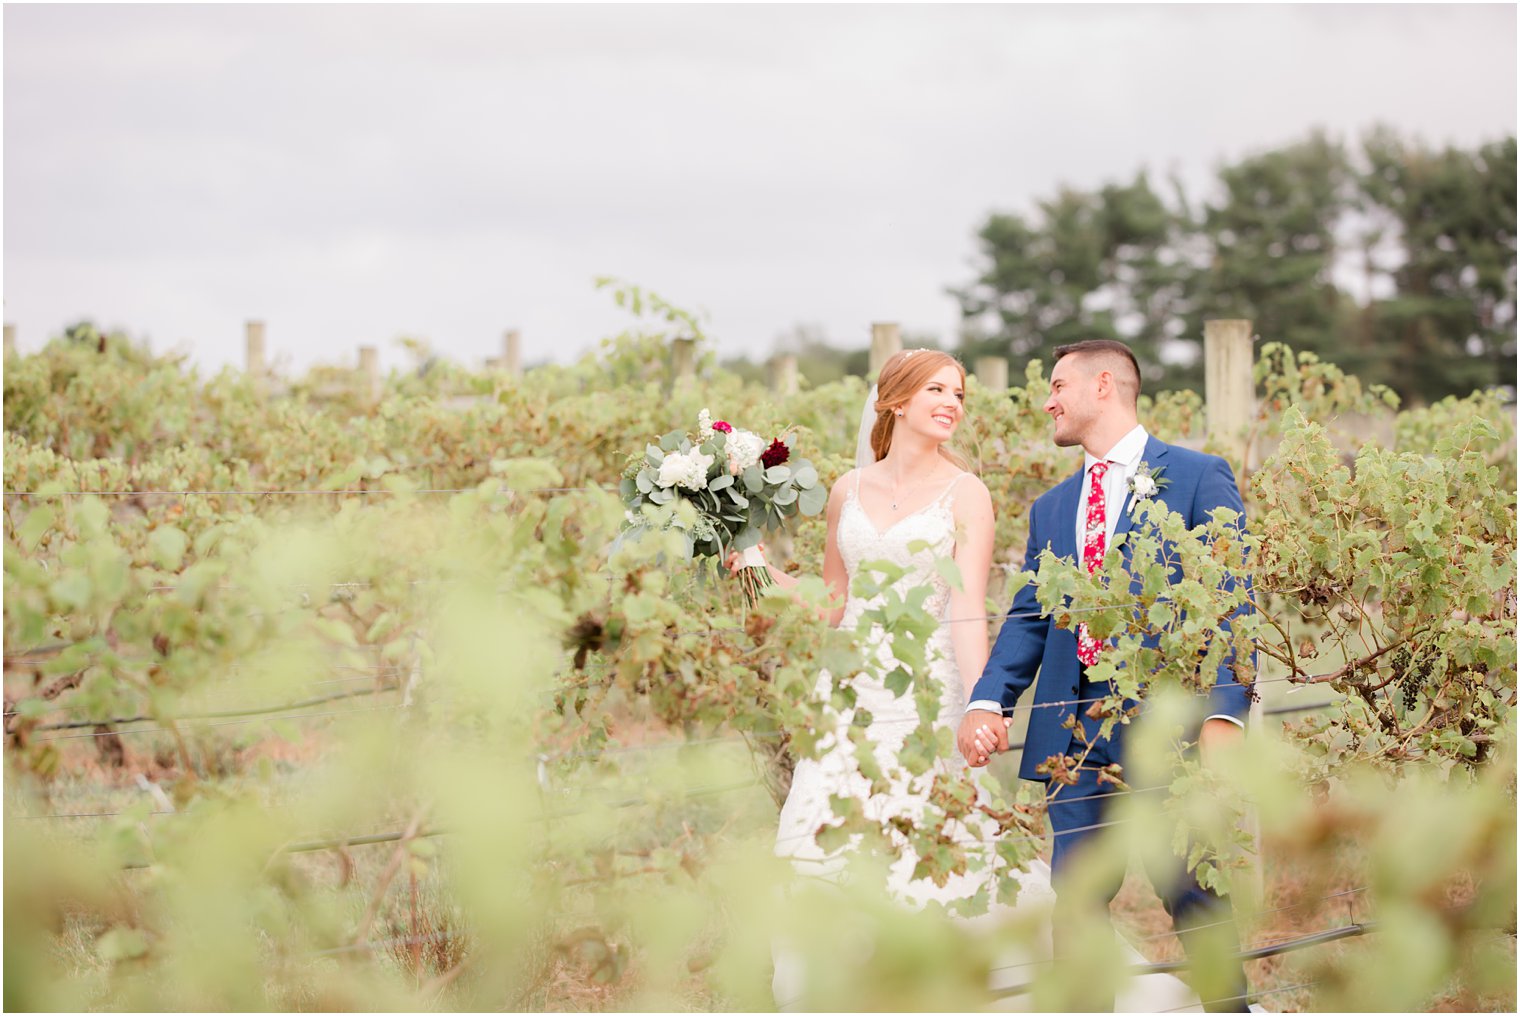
{"type": "Point", "coordinates": [754, 575]}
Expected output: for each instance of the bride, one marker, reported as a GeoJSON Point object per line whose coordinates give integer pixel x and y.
{"type": "Point", "coordinates": [911, 501]}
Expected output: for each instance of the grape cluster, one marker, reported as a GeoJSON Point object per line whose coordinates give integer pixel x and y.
{"type": "Point", "coordinates": [1411, 675]}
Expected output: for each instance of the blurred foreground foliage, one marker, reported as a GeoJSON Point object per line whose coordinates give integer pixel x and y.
{"type": "Point", "coordinates": [439, 739]}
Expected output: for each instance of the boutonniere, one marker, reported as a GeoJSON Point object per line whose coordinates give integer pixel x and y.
{"type": "Point", "coordinates": [1146, 484]}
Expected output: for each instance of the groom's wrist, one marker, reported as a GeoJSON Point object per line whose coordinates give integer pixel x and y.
{"type": "Point", "coordinates": [987, 705]}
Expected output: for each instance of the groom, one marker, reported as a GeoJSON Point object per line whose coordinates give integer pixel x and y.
{"type": "Point", "coordinates": [1094, 387]}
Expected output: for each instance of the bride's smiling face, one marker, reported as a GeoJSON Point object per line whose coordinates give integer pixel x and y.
{"type": "Point", "coordinates": [937, 408]}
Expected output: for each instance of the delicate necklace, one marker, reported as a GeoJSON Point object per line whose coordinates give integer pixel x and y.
{"type": "Point", "coordinates": [896, 496]}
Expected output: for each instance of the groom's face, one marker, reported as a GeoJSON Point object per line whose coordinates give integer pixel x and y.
{"type": "Point", "coordinates": [1073, 402]}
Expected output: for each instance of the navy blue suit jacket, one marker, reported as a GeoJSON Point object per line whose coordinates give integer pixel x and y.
{"type": "Point", "coordinates": [1028, 644]}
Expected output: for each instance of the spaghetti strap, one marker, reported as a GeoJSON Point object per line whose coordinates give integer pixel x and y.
{"type": "Point", "coordinates": [951, 486]}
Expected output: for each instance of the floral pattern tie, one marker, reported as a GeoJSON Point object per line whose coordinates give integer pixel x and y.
{"type": "Point", "coordinates": [1094, 543]}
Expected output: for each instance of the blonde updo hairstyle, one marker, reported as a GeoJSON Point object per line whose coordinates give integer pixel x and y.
{"type": "Point", "coordinates": [901, 378]}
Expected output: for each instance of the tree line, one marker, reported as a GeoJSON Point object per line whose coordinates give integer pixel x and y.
{"type": "Point", "coordinates": [1389, 257]}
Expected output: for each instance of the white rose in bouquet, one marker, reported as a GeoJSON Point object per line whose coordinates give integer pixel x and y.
{"type": "Point", "coordinates": [744, 450]}
{"type": "Point", "coordinates": [688, 470]}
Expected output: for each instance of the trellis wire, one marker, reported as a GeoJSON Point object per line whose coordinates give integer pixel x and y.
{"type": "Point", "coordinates": [34, 653]}
{"type": "Point", "coordinates": [222, 714]}
{"type": "Point", "coordinates": [1235, 919]}
{"type": "Point", "coordinates": [1248, 996]}
{"type": "Point", "coordinates": [275, 493]}
{"type": "Point", "coordinates": [797, 837]}
{"type": "Point", "coordinates": [1262, 913]}
{"type": "Point", "coordinates": [224, 723]}
{"type": "Point", "coordinates": [24, 655]}
{"type": "Point", "coordinates": [256, 714]}
{"type": "Point", "coordinates": [1245, 955]}
{"type": "Point", "coordinates": [631, 802]}
{"type": "Point", "coordinates": [259, 717]}
{"type": "Point", "coordinates": [84, 814]}
{"type": "Point", "coordinates": [736, 739]}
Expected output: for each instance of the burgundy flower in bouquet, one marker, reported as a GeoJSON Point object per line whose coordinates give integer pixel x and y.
{"type": "Point", "coordinates": [776, 454]}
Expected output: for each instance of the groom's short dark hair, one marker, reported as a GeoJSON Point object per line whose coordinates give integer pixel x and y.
{"type": "Point", "coordinates": [1108, 349]}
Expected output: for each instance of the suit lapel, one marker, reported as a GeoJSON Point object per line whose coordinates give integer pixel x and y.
{"type": "Point", "coordinates": [1154, 457]}
{"type": "Point", "coordinates": [1068, 494]}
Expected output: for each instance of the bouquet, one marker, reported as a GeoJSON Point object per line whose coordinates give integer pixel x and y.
{"type": "Point", "coordinates": [739, 485]}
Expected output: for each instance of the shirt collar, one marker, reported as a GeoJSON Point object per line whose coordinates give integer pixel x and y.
{"type": "Point", "coordinates": [1126, 452]}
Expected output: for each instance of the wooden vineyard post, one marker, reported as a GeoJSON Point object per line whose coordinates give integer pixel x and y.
{"type": "Point", "coordinates": [1229, 396]}
{"type": "Point", "coordinates": [784, 374]}
{"type": "Point", "coordinates": [1229, 393]}
{"type": "Point", "coordinates": [253, 349]}
{"type": "Point", "coordinates": [511, 352]}
{"type": "Point", "coordinates": [683, 358]}
{"type": "Point", "coordinates": [369, 374]}
{"type": "Point", "coordinates": [254, 364]}
{"type": "Point", "coordinates": [886, 341]}
{"type": "Point", "coordinates": [992, 372]}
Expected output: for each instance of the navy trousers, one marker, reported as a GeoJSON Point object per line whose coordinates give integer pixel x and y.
{"type": "Point", "coordinates": [1077, 817]}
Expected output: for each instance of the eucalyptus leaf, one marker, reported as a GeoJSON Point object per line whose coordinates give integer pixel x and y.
{"type": "Point", "coordinates": [812, 500]}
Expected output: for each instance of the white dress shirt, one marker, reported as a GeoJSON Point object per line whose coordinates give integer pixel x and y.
{"type": "Point", "coordinates": [1123, 460]}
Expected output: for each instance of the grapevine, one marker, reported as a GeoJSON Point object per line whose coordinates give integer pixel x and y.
{"type": "Point", "coordinates": [564, 724]}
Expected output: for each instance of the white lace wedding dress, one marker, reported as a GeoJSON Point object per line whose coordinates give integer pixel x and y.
{"type": "Point", "coordinates": [836, 772]}
{"type": "Point", "coordinates": [931, 531]}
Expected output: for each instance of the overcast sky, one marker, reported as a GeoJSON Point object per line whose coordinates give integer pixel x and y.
{"type": "Point", "coordinates": [350, 174]}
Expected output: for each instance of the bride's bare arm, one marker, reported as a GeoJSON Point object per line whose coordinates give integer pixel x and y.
{"type": "Point", "coordinates": [834, 575]}
{"type": "Point", "coordinates": [973, 556]}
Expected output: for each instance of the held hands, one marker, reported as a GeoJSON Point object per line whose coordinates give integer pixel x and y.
{"type": "Point", "coordinates": [982, 735]}
{"type": "Point", "coordinates": [1216, 738]}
